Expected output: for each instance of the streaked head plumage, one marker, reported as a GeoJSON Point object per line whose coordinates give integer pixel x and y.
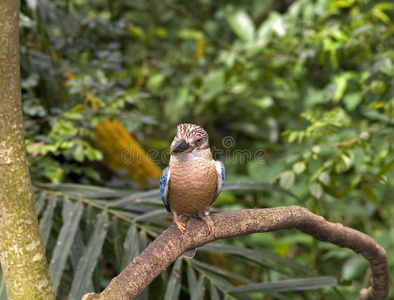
{"type": "Point", "coordinates": [189, 138]}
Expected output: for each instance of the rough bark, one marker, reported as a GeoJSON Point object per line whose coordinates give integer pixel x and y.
{"type": "Point", "coordinates": [22, 254]}
{"type": "Point", "coordinates": [171, 244]}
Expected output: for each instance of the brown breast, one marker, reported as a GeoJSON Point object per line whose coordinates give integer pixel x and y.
{"type": "Point", "coordinates": [192, 185]}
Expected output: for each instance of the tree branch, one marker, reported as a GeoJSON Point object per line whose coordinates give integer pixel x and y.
{"type": "Point", "coordinates": [171, 244]}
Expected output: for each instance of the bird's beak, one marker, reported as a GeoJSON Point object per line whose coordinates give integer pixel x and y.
{"type": "Point", "coordinates": [180, 146]}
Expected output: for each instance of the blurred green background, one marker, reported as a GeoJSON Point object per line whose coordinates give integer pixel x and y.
{"type": "Point", "coordinates": [297, 98]}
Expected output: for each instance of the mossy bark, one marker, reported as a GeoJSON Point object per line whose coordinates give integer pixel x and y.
{"type": "Point", "coordinates": [22, 254]}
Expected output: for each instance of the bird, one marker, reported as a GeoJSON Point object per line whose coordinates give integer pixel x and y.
{"type": "Point", "coordinates": [193, 180]}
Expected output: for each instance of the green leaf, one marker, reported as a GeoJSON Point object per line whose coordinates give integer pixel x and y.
{"type": "Point", "coordinates": [221, 282]}
{"type": "Point", "coordinates": [263, 258]}
{"type": "Point", "coordinates": [200, 290]}
{"type": "Point", "coordinates": [352, 100]}
{"type": "Point", "coordinates": [136, 31]}
{"type": "Point", "coordinates": [214, 292]}
{"type": "Point", "coordinates": [286, 180]}
{"type": "Point", "coordinates": [71, 215]}
{"type": "Point", "coordinates": [381, 16]}
{"type": "Point", "coordinates": [353, 267]}
{"type": "Point", "coordinates": [131, 246]}
{"type": "Point", "coordinates": [256, 186]}
{"type": "Point", "coordinates": [341, 3]}
{"type": "Point", "coordinates": [324, 177]}
{"type": "Point", "coordinates": [79, 153]}
{"type": "Point", "coordinates": [116, 233]}
{"type": "Point", "coordinates": [221, 271]}
{"type": "Point", "coordinates": [77, 251]}
{"type": "Point", "coordinates": [316, 190]}
{"type": "Point", "coordinates": [181, 99]}
{"type": "Point", "coordinates": [384, 6]}
{"type": "Point", "coordinates": [277, 22]}
{"type": "Point", "coordinates": [378, 86]}
{"type": "Point", "coordinates": [281, 248]}
{"type": "Point", "coordinates": [299, 167]}
{"type": "Point", "coordinates": [213, 84]}
{"type": "Point", "coordinates": [46, 220]}
{"type": "Point", "coordinates": [191, 279]}
{"type": "Point", "coordinates": [40, 202]}
{"type": "Point", "coordinates": [341, 85]}
{"type": "Point", "coordinates": [287, 285]}
{"type": "Point", "coordinates": [263, 6]}
{"type": "Point", "coordinates": [152, 196]}
{"type": "Point", "coordinates": [344, 162]}
{"type": "Point", "coordinates": [263, 102]}
{"type": "Point", "coordinates": [242, 25]}
{"type": "Point", "coordinates": [73, 115]}
{"type": "Point", "coordinates": [174, 282]}
{"type": "Point", "coordinates": [294, 135]}
{"type": "Point", "coordinates": [385, 169]}
{"type": "Point", "coordinates": [91, 154]}
{"type": "Point", "coordinates": [189, 34]}
{"type": "Point", "coordinates": [196, 288]}
{"type": "Point", "coordinates": [273, 24]}
{"type": "Point", "coordinates": [143, 243]}
{"type": "Point", "coordinates": [89, 218]}
{"type": "Point", "coordinates": [369, 193]}
{"type": "Point", "coordinates": [88, 261]}
{"type": "Point", "coordinates": [151, 215]}
{"type": "Point", "coordinates": [143, 240]}
{"type": "Point", "coordinates": [88, 191]}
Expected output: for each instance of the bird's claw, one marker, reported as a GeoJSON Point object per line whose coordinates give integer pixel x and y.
{"type": "Point", "coordinates": [211, 227]}
{"type": "Point", "coordinates": [181, 226]}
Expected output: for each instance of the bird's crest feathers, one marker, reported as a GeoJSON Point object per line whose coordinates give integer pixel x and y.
{"type": "Point", "coordinates": [189, 138]}
{"type": "Point", "coordinates": [190, 131]}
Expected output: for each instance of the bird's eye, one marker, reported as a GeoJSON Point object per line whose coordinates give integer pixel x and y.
{"type": "Point", "coordinates": [198, 141]}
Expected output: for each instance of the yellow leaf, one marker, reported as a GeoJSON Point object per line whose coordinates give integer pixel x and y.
{"type": "Point", "coordinates": [200, 47]}
{"type": "Point", "coordinates": [122, 152]}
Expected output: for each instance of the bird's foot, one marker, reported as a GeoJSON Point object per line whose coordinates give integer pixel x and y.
{"type": "Point", "coordinates": [181, 226]}
{"type": "Point", "coordinates": [207, 219]}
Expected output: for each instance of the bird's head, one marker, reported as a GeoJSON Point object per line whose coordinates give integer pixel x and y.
{"type": "Point", "coordinates": [189, 138]}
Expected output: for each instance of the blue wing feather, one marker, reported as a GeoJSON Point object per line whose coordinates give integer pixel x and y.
{"type": "Point", "coordinates": [223, 175]}
{"type": "Point", "coordinates": [164, 180]}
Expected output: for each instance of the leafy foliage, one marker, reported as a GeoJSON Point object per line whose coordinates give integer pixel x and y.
{"type": "Point", "coordinates": [303, 88]}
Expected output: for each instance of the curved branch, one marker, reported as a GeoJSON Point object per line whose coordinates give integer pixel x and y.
{"type": "Point", "coordinates": [171, 244]}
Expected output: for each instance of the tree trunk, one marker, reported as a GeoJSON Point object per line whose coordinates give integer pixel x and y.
{"type": "Point", "coordinates": [22, 254]}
